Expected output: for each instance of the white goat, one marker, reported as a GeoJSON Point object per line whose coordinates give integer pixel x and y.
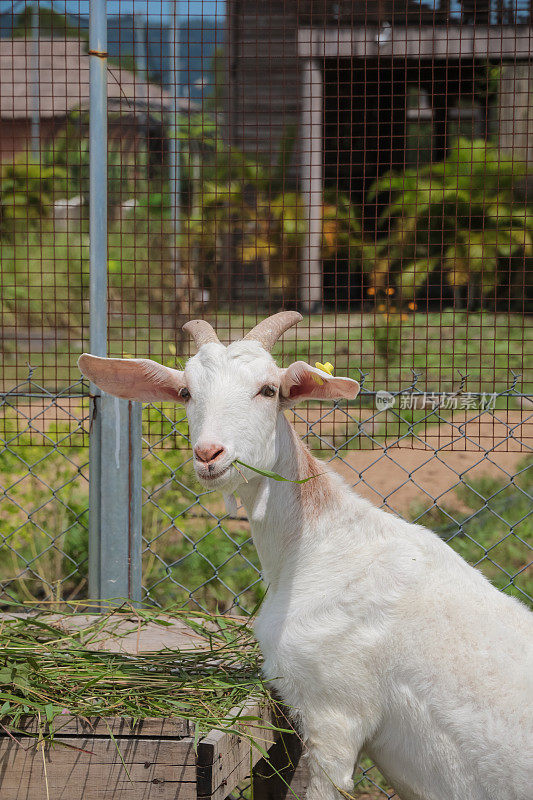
{"type": "Point", "coordinates": [373, 631]}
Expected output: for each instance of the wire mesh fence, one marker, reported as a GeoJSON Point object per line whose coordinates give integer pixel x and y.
{"type": "Point", "coordinates": [44, 493]}
{"type": "Point", "coordinates": [368, 164]}
{"type": "Point", "coordinates": [468, 479]}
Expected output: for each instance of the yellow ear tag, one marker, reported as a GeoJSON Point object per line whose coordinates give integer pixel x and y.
{"type": "Point", "coordinates": [327, 367]}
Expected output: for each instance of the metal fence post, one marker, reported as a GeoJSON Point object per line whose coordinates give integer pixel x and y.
{"type": "Point", "coordinates": [115, 438]}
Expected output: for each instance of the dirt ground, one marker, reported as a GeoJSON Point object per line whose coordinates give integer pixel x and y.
{"type": "Point", "coordinates": [404, 476]}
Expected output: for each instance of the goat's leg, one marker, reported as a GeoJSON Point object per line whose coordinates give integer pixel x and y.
{"type": "Point", "coordinates": [329, 772]}
{"type": "Point", "coordinates": [332, 751]}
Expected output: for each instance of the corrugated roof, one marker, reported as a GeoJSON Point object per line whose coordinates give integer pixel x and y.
{"type": "Point", "coordinates": [63, 80]}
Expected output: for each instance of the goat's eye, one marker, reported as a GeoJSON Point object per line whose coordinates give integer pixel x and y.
{"type": "Point", "coordinates": [184, 393]}
{"type": "Point", "coordinates": [268, 391]}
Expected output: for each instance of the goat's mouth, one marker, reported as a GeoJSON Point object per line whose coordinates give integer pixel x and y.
{"type": "Point", "coordinates": [212, 473]}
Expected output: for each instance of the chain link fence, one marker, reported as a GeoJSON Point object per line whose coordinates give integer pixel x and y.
{"type": "Point", "coordinates": [468, 479]}
{"type": "Point", "coordinates": [44, 500]}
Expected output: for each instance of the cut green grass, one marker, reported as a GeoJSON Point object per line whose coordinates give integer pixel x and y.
{"type": "Point", "coordinates": [49, 670]}
{"type": "Point", "coordinates": [50, 673]}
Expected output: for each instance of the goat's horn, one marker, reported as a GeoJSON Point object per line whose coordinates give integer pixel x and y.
{"type": "Point", "coordinates": [201, 331]}
{"type": "Point", "coordinates": [269, 330]}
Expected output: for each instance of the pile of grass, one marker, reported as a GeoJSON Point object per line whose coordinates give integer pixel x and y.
{"type": "Point", "coordinates": [50, 673]}
{"type": "Point", "coordinates": [49, 669]}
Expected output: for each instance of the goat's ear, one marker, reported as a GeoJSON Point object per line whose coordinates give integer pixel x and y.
{"type": "Point", "coordinates": [133, 378]}
{"type": "Point", "coordinates": [300, 381]}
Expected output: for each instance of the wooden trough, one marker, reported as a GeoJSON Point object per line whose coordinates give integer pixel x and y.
{"type": "Point", "coordinates": [120, 759]}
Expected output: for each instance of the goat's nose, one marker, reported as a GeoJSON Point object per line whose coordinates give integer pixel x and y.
{"type": "Point", "coordinates": [209, 452]}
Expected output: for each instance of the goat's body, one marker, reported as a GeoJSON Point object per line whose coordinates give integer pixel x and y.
{"type": "Point", "coordinates": [373, 630]}
{"type": "Point", "coordinates": [381, 637]}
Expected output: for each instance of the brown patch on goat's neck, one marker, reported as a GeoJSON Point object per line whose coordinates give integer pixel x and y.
{"type": "Point", "coordinates": [318, 493]}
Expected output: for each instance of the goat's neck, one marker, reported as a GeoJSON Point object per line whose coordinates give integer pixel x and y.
{"type": "Point", "coordinates": [282, 515]}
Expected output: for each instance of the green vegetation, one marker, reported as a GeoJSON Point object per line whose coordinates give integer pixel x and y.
{"type": "Point", "coordinates": [47, 671]}
{"type": "Point", "coordinates": [244, 210]}
{"type": "Point", "coordinates": [51, 24]}
{"type": "Point", "coordinates": [240, 210]}
{"type": "Point", "coordinates": [190, 555]}
{"type": "Point", "coordinates": [130, 172]}
{"type": "Point", "coordinates": [440, 347]}
{"type": "Point", "coordinates": [44, 283]}
{"type": "Point", "coordinates": [494, 532]}
{"type": "Point", "coordinates": [44, 280]}
{"type": "Point", "coordinates": [461, 218]}
{"type": "Point", "coordinates": [27, 191]}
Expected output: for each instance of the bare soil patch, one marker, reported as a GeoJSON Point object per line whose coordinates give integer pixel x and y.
{"type": "Point", "coordinates": [399, 476]}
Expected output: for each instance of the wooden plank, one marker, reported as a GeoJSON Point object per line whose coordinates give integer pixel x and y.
{"type": "Point", "coordinates": [222, 762]}
{"type": "Point", "coordinates": [157, 768]}
{"type": "Point", "coordinates": [224, 758]}
{"type": "Point", "coordinates": [145, 752]}
{"type": "Point", "coordinates": [311, 137]}
{"type": "Point", "coordinates": [172, 728]}
{"type": "Point", "coordinates": [425, 42]}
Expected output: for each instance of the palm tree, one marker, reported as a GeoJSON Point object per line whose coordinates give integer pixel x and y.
{"type": "Point", "coordinates": [458, 220]}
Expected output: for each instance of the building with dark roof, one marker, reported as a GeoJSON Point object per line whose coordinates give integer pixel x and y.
{"type": "Point", "coordinates": [51, 82]}
{"type": "Point", "coordinates": [372, 86]}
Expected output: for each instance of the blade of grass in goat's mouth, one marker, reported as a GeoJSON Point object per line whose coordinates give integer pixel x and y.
{"type": "Point", "coordinates": [274, 475]}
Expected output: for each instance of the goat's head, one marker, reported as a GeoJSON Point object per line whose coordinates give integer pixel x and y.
{"type": "Point", "coordinates": [232, 394]}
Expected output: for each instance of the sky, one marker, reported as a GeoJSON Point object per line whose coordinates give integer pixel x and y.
{"type": "Point", "coordinates": [201, 37]}
{"type": "Point", "coordinates": [192, 9]}
{"type": "Point", "coordinates": [154, 9]}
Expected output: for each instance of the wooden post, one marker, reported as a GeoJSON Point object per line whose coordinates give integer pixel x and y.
{"type": "Point", "coordinates": [515, 111]}
{"type": "Point", "coordinates": [285, 768]}
{"type": "Point", "coordinates": [311, 188]}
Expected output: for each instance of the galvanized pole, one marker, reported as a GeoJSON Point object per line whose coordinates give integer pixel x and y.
{"type": "Point", "coordinates": [35, 94]}
{"type": "Point", "coordinates": [115, 438]}
{"type": "Point", "coordinates": [176, 92]}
